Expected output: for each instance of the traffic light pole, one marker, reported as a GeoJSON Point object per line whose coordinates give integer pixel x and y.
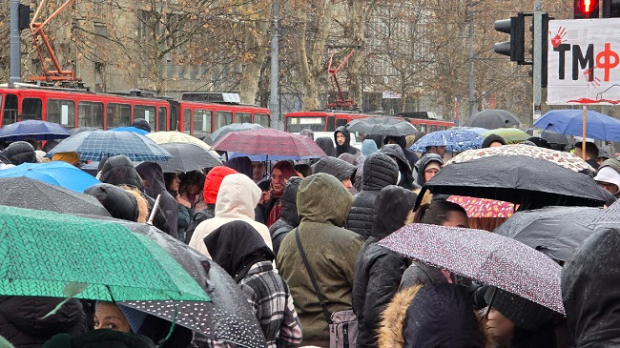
{"type": "Point", "coordinates": [537, 66]}
{"type": "Point", "coordinates": [274, 98]}
{"type": "Point", "coordinates": [15, 50]}
{"type": "Point", "coordinates": [472, 98]}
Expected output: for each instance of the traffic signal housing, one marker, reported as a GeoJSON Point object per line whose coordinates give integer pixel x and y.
{"type": "Point", "coordinates": [611, 8]}
{"type": "Point", "coordinates": [585, 9]}
{"type": "Point", "coordinates": [24, 17]}
{"type": "Point", "coordinates": [513, 48]}
{"type": "Point", "coordinates": [545, 47]}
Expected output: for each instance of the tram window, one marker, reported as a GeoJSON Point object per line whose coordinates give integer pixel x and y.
{"type": "Point", "coordinates": [432, 128]}
{"type": "Point", "coordinates": [341, 122]}
{"type": "Point", "coordinates": [161, 121]}
{"type": "Point", "coordinates": [10, 109]}
{"type": "Point", "coordinates": [145, 112]}
{"type": "Point", "coordinates": [331, 124]}
{"type": "Point", "coordinates": [187, 120]}
{"type": "Point", "coordinates": [119, 115]}
{"type": "Point", "coordinates": [202, 123]}
{"type": "Point", "coordinates": [442, 128]}
{"type": "Point", "coordinates": [422, 128]}
{"type": "Point", "coordinates": [174, 116]}
{"type": "Point", "coordinates": [262, 119]}
{"type": "Point", "coordinates": [32, 109]}
{"type": "Point", "coordinates": [222, 118]}
{"type": "Point", "coordinates": [90, 114]}
{"type": "Point", "coordinates": [243, 117]}
{"type": "Point", "coordinates": [61, 112]}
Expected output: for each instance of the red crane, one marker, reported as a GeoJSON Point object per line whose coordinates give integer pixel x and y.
{"type": "Point", "coordinates": [340, 102]}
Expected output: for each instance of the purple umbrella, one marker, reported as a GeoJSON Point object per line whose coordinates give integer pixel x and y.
{"type": "Point", "coordinates": [485, 257]}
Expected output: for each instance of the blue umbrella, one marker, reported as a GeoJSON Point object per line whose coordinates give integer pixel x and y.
{"type": "Point", "coordinates": [57, 173]}
{"type": "Point", "coordinates": [95, 145]}
{"type": "Point", "coordinates": [478, 130]}
{"type": "Point", "coordinates": [570, 122]}
{"type": "Point", "coordinates": [131, 129]}
{"type": "Point", "coordinates": [39, 130]}
{"type": "Point", "coordinates": [454, 139]}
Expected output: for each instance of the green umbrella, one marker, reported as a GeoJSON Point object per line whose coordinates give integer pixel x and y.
{"type": "Point", "coordinates": [510, 135]}
{"type": "Point", "coordinates": [48, 254]}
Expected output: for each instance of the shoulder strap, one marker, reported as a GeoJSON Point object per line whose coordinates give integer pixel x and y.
{"type": "Point", "coordinates": [312, 279]}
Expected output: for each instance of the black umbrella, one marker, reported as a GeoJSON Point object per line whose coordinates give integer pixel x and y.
{"type": "Point", "coordinates": [227, 318]}
{"type": "Point", "coordinates": [553, 137]}
{"type": "Point", "coordinates": [555, 231]}
{"type": "Point", "coordinates": [530, 182]}
{"type": "Point", "coordinates": [187, 157]}
{"type": "Point", "coordinates": [382, 126]}
{"type": "Point", "coordinates": [493, 119]}
{"type": "Point", "coordinates": [29, 193]}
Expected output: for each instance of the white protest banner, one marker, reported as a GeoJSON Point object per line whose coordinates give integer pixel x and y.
{"type": "Point", "coordinates": [583, 62]}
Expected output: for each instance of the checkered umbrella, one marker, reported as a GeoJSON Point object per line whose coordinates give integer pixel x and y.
{"type": "Point", "coordinates": [96, 145]}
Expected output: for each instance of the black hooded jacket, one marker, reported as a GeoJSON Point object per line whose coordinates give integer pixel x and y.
{"type": "Point", "coordinates": [327, 145]}
{"type": "Point", "coordinates": [378, 270]}
{"type": "Point", "coordinates": [341, 169]}
{"type": "Point", "coordinates": [346, 147]}
{"type": "Point", "coordinates": [154, 176]}
{"type": "Point", "coordinates": [236, 246]}
{"type": "Point", "coordinates": [103, 338]}
{"type": "Point", "coordinates": [402, 142]}
{"type": "Point", "coordinates": [20, 152]}
{"type": "Point", "coordinates": [590, 290]}
{"type": "Point", "coordinates": [141, 123]}
{"type": "Point", "coordinates": [289, 219]}
{"type": "Point", "coordinates": [424, 161]}
{"type": "Point", "coordinates": [118, 202]}
{"type": "Point", "coordinates": [379, 171]}
{"type": "Point", "coordinates": [21, 320]}
{"type": "Point", "coordinates": [406, 175]}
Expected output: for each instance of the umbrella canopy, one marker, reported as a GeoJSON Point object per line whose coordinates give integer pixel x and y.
{"type": "Point", "coordinates": [483, 208]}
{"type": "Point", "coordinates": [95, 145]}
{"type": "Point", "coordinates": [28, 193]}
{"type": "Point", "coordinates": [510, 135]}
{"type": "Point", "coordinates": [235, 127]}
{"type": "Point", "coordinates": [570, 122]}
{"type": "Point", "coordinates": [187, 157]}
{"type": "Point", "coordinates": [270, 142]}
{"type": "Point", "coordinates": [382, 126]}
{"type": "Point", "coordinates": [553, 137]}
{"type": "Point", "coordinates": [454, 139]}
{"type": "Point", "coordinates": [176, 137]}
{"type": "Point", "coordinates": [554, 231]}
{"type": "Point", "coordinates": [226, 318]}
{"type": "Point", "coordinates": [485, 257]}
{"type": "Point", "coordinates": [564, 159]}
{"type": "Point", "coordinates": [609, 215]}
{"type": "Point", "coordinates": [531, 182]}
{"type": "Point", "coordinates": [131, 129]}
{"type": "Point", "coordinates": [492, 119]}
{"type": "Point", "coordinates": [478, 130]}
{"type": "Point", "coordinates": [36, 129]}
{"type": "Point", "coordinates": [57, 251]}
{"type": "Point", "coordinates": [57, 173]}
{"type": "Point", "coordinates": [83, 129]}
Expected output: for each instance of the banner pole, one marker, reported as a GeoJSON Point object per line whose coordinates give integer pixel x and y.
{"type": "Point", "coordinates": [583, 141]}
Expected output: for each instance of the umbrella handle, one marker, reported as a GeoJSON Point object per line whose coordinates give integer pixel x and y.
{"type": "Point", "coordinates": [154, 211]}
{"type": "Point", "coordinates": [491, 302]}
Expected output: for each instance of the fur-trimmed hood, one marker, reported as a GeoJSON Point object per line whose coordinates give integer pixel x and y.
{"type": "Point", "coordinates": [393, 318]}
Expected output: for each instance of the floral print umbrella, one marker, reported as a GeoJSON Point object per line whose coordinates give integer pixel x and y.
{"type": "Point", "coordinates": [482, 207]}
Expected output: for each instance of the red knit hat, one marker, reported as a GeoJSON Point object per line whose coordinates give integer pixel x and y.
{"type": "Point", "coordinates": [213, 182]}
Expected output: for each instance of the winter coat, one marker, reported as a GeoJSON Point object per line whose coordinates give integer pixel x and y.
{"type": "Point", "coordinates": [121, 203]}
{"type": "Point", "coordinates": [419, 273]}
{"type": "Point", "coordinates": [323, 205]}
{"type": "Point", "coordinates": [431, 316]}
{"type": "Point", "coordinates": [327, 145]}
{"type": "Point", "coordinates": [102, 338]}
{"type": "Point", "coordinates": [406, 175]}
{"type": "Point", "coordinates": [379, 171]}
{"type": "Point", "coordinates": [240, 250]}
{"type": "Point", "coordinates": [346, 147]}
{"type": "Point", "coordinates": [154, 176]}
{"type": "Point", "coordinates": [422, 163]}
{"type": "Point", "coordinates": [236, 200]}
{"type": "Point", "coordinates": [590, 290]}
{"type": "Point", "coordinates": [289, 218]}
{"type": "Point", "coordinates": [339, 168]}
{"type": "Point", "coordinates": [369, 147]}
{"type": "Point", "coordinates": [207, 213]}
{"type": "Point", "coordinates": [119, 170]}
{"type": "Point", "coordinates": [21, 320]}
{"type": "Point", "coordinates": [20, 152]}
{"type": "Point", "coordinates": [401, 141]}
{"type": "Point", "coordinates": [378, 270]}
{"type": "Point", "coordinates": [141, 123]}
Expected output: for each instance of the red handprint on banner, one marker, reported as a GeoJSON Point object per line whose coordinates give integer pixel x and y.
{"type": "Point", "coordinates": [558, 39]}
{"type": "Point", "coordinates": [595, 81]}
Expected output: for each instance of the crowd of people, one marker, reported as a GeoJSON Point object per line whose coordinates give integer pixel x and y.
{"type": "Point", "coordinates": [301, 241]}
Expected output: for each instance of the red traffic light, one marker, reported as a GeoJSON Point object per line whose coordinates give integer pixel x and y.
{"type": "Point", "coordinates": [585, 9]}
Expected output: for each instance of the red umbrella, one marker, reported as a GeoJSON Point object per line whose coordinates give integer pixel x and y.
{"type": "Point", "coordinates": [485, 257]}
{"type": "Point", "coordinates": [269, 141]}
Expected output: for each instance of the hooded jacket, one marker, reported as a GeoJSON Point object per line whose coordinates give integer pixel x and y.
{"type": "Point", "coordinates": [102, 338]}
{"type": "Point", "coordinates": [341, 169]}
{"type": "Point", "coordinates": [289, 219]}
{"type": "Point", "coordinates": [379, 171]}
{"type": "Point", "coordinates": [20, 152]}
{"type": "Point", "coordinates": [378, 270]}
{"type": "Point", "coordinates": [590, 290]}
{"type": "Point", "coordinates": [431, 316]}
{"type": "Point", "coordinates": [120, 203]}
{"type": "Point", "coordinates": [492, 138]}
{"type": "Point", "coordinates": [406, 176]}
{"type": "Point", "coordinates": [327, 145]}
{"type": "Point", "coordinates": [119, 170]}
{"type": "Point", "coordinates": [21, 320]}
{"type": "Point", "coordinates": [323, 204]}
{"type": "Point", "coordinates": [346, 147]}
{"type": "Point", "coordinates": [401, 141]}
{"type": "Point", "coordinates": [141, 123]}
{"type": "Point", "coordinates": [154, 176]}
{"type": "Point", "coordinates": [369, 147]}
{"type": "Point", "coordinates": [236, 200]}
{"type": "Point", "coordinates": [421, 165]}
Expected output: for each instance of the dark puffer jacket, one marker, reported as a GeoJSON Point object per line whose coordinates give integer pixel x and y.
{"type": "Point", "coordinates": [120, 203]}
{"type": "Point", "coordinates": [20, 152]}
{"type": "Point", "coordinates": [378, 270]}
{"type": "Point", "coordinates": [406, 174]}
{"type": "Point", "coordinates": [337, 167]}
{"type": "Point", "coordinates": [402, 142]}
{"type": "Point", "coordinates": [289, 218]}
{"type": "Point", "coordinates": [379, 171]}
{"type": "Point", "coordinates": [21, 320]}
